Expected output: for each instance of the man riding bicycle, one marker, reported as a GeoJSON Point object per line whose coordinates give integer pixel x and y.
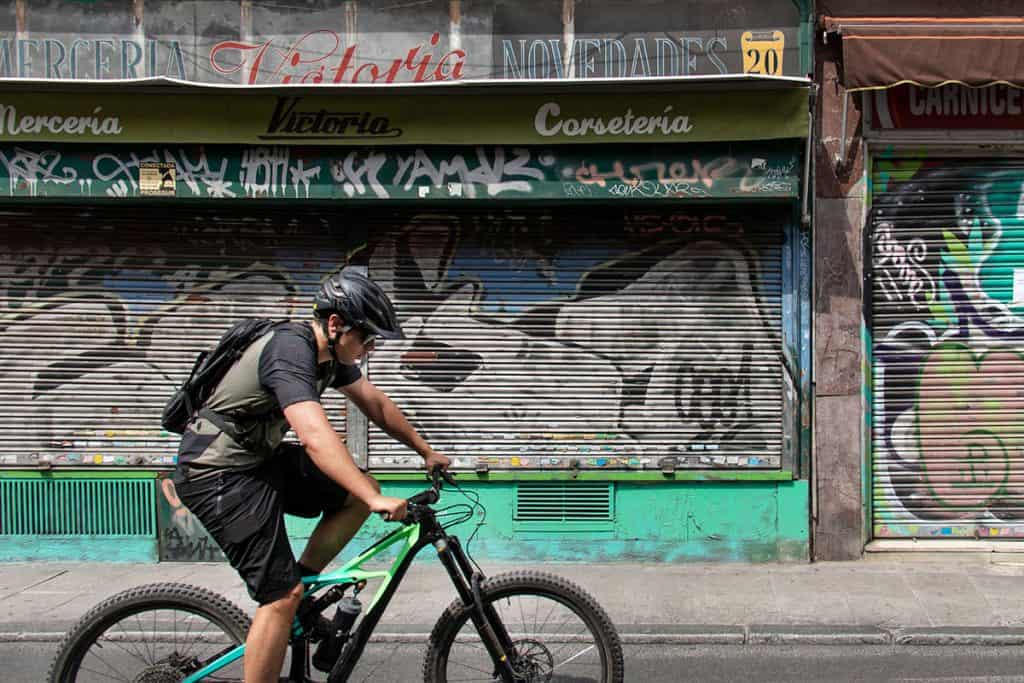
{"type": "Point", "coordinates": [239, 478]}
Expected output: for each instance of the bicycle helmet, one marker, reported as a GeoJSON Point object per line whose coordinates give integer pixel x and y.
{"type": "Point", "coordinates": [360, 302]}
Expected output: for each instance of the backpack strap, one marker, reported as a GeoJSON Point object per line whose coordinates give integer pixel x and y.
{"type": "Point", "coordinates": [230, 427]}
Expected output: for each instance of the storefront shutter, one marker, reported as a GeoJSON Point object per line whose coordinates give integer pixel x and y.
{"type": "Point", "coordinates": [567, 338]}
{"type": "Point", "coordinates": [104, 310]}
{"type": "Point", "coordinates": [947, 337]}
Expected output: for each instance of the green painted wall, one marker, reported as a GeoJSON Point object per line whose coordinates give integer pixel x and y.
{"type": "Point", "coordinates": [77, 549]}
{"type": "Point", "coordinates": [664, 522]}
{"type": "Point", "coordinates": [678, 521]}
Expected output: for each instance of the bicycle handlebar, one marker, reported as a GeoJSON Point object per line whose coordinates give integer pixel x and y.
{"type": "Point", "coordinates": [438, 477]}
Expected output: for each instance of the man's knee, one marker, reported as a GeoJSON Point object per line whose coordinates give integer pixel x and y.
{"type": "Point", "coordinates": [287, 602]}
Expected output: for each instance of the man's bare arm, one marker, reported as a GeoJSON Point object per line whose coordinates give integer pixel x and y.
{"type": "Point", "coordinates": [328, 453]}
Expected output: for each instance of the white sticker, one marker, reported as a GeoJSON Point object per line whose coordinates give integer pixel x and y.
{"type": "Point", "coordinates": [1018, 287]}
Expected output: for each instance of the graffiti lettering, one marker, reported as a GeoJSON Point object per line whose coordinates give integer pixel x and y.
{"type": "Point", "coordinates": [28, 168]}
{"type": "Point", "coordinates": [462, 173]}
{"type": "Point", "coordinates": [696, 171]}
{"type": "Point", "coordinates": [200, 175]}
{"type": "Point", "coordinates": [490, 169]}
{"type": "Point", "coordinates": [900, 269]}
{"type": "Point", "coordinates": [649, 189]}
{"type": "Point", "coordinates": [175, 547]}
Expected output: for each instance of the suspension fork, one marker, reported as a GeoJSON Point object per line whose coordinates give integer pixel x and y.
{"type": "Point", "coordinates": [475, 579]}
{"type": "Point", "coordinates": [490, 627]}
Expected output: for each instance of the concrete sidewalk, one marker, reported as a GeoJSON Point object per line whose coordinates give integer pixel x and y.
{"type": "Point", "coordinates": [883, 599]}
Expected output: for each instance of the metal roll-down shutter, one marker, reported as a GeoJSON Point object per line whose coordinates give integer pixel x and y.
{"type": "Point", "coordinates": [567, 338]}
{"type": "Point", "coordinates": [102, 311]}
{"type": "Point", "coordinates": [947, 326]}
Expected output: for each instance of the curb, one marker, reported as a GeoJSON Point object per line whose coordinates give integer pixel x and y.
{"type": "Point", "coordinates": [755, 634]}
{"type": "Point", "coordinates": [975, 635]}
{"type": "Point", "coordinates": [771, 634]}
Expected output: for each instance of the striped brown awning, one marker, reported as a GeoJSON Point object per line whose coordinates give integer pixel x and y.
{"type": "Point", "coordinates": [880, 52]}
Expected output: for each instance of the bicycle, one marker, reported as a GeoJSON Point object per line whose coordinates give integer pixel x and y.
{"type": "Point", "coordinates": [482, 633]}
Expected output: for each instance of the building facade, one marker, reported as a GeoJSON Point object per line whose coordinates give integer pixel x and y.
{"type": "Point", "coordinates": [594, 220]}
{"type": "Point", "coordinates": [919, 278]}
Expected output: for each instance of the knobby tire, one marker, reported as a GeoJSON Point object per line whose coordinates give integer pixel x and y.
{"type": "Point", "coordinates": [527, 584]}
{"type": "Point", "coordinates": [163, 596]}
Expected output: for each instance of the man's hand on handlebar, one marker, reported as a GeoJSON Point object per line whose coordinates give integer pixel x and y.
{"type": "Point", "coordinates": [433, 459]}
{"type": "Point", "coordinates": [392, 509]}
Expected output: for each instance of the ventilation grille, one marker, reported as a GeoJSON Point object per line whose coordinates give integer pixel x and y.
{"type": "Point", "coordinates": [563, 502]}
{"type": "Point", "coordinates": [73, 507]}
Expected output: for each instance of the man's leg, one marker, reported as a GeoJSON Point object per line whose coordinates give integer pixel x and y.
{"type": "Point", "coordinates": [267, 641]}
{"type": "Point", "coordinates": [333, 531]}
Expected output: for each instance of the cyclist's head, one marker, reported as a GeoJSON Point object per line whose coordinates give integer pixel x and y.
{"type": "Point", "coordinates": [360, 302]}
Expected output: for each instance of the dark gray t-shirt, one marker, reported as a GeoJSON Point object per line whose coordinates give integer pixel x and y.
{"type": "Point", "coordinates": [279, 369]}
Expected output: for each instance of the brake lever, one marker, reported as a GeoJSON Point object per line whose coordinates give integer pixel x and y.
{"type": "Point", "coordinates": [437, 472]}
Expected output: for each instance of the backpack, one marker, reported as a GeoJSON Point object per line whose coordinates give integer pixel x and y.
{"type": "Point", "coordinates": [209, 369]}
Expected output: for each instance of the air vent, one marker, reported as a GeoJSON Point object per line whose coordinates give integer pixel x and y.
{"type": "Point", "coordinates": [564, 502]}
{"type": "Point", "coordinates": [76, 507]}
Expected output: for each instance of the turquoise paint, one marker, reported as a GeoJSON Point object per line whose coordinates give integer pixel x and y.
{"type": "Point", "coordinates": [669, 522]}
{"type": "Point", "coordinates": [866, 471]}
{"type": "Point", "coordinates": [78, 548]}
{"type": "Point", "coordinates": [637, 476]}
{"type": "Point", "coordinates": [677, 522]}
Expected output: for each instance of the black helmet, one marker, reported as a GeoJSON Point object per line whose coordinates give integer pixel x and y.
{"type": "Point", "coordinates": [360, 301]}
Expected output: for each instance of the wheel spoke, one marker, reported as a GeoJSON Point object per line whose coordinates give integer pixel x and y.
{"type": "Point", "coordinates": [135, 652]}
{"type": "Point", "coordinates": [130, 639]}
{"type": "Point", "coordinates": [575, 656]}
{"type": "Point", "coordinates": [108, 665]}
{"type": "Point", "coordinates": [552, 634]}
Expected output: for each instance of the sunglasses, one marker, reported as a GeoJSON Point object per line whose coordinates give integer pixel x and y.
{"type": "Point", "coordinates": [368, 338]}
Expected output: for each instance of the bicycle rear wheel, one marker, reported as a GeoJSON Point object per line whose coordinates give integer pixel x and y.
{"type": "Point", "coordinates": [559, 631]}
{"type": "Point", "coordinates": [152, 634]}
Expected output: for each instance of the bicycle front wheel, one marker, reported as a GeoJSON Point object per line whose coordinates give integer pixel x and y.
{"type": "Point", "coordinates": [558, 631]}
{"type": "Point", "coordinates": [152, 634]}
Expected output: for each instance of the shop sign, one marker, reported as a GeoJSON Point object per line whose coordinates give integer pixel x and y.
{"type": "Point", "coordinates": [950, 106]}
{"type": "Point", "coordinates": [404, 119]}
{"type": "Point", "coordinates": [340, 43]}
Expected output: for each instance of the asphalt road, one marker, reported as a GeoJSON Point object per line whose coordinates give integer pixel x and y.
{"type": "Point", "coordinates": [390, 663]}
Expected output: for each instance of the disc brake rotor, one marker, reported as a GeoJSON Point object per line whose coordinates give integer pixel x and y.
{"type": "Point", "coordinates": [534, 661]}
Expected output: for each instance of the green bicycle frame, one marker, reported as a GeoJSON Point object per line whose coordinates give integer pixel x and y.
{"type": "Point", "coordinates": [350, 574]}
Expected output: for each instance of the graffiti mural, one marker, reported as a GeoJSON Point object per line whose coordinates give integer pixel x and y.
{"type": "Point", "coordinates": [549, 342]}
{"type": "Point", "coordinates": [615, 339]}
{"type": "Point", "coordinates": [948, 348]}
{"type": "Point", "coordinates": [436, 173]}
{"type": "Point", "coordinates": [182, 536]}
{"type": "Point", "coordinates": [106, 311]}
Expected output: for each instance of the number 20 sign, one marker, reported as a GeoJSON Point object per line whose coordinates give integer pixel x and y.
{"type": "Point", "coordinates": [762, 52]}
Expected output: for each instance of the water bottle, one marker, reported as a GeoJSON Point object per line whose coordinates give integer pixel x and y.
{"type": "Point", "coordinates": [329, 650]}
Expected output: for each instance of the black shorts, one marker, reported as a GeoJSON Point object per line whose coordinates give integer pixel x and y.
{"type": "Point", "coordinates": [243, 510]}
